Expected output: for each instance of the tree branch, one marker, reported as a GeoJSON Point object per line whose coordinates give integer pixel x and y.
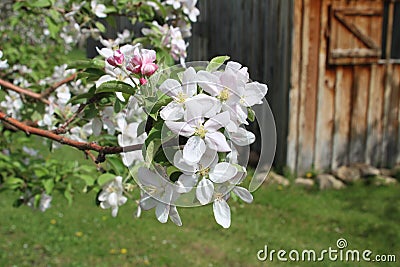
{"type": "Point", "coordinates": [23, 91]}
{"type": "Point", "coordinates": [103, 150]}
{"type": "Point", "coordinates": [51, 89]}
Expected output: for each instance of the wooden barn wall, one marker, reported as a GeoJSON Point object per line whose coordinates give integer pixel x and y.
{"type": "Point", "coordinates": [339, 113]}
{"type": "Point", "coordinates": [256, 33]}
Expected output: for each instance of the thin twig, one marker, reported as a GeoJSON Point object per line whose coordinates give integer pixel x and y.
{"type": "Point", "coordinates": [52, 88]}
{"type": "Point", "coordinates": [23, 91]}
{"type": "Point", "coordinates": [103, 150]}
{"type": "Point", "coordinates": [63, 128]}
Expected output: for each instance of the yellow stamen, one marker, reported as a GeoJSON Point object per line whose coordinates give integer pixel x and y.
{"type": "Point", "coordinates": [181, 97]}
{"type": "Point", "coordinates": [224, 95]}
{"type": "Point", "coordinates": [200, 131]}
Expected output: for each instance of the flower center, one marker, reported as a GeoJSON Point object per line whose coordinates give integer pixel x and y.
{"type": "Point", "coordinates": [219, 196]}
{"type": "Point", "coordinates": [224, 94]}
{"type": "Point", "coordinates": [181, 98]}
{"type": "Point", "coordinates": [112, 189]}
{"type": "Point", "coordinates": [204, 171]}
{"type": "Point", "coordinates": [200, 131]}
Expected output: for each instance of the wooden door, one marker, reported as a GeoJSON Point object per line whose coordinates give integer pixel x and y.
{"type": "Point", "coordinates": [344, 97]}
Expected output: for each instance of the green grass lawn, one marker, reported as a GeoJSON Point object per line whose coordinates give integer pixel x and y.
{"type": "Point", "coordinates": [288, 218]}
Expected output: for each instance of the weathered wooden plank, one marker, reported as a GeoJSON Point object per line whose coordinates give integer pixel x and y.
{"type": "Point", "coordinates": [308, 92]}
{"type": "Point", "coordinates": [392, 127]}
{"type": "Point", "coordinates": [396, 79]}
{"type": "Point", "coordinates": [326, 100]}
{"type": "Point", "coordinates": [375, 111]}
{"type": "Point", "coordinates": [359, 104]}
{"type": "Point", "coordinates": [388, 130]}
{"type": "Point", "coordinates": [344, 81]}
{"type": "Point", "coordinates": [294, 93]}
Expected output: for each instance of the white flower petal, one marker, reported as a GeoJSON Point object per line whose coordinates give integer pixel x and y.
{"type": "Point", "coordinates": [174, 216]}
{"type": "Point", "coordinates": [204, 191]}
{"type": "Point", "coordinates": [242, 137]}
{"type": "Point", "coordinates": [147, 202]}
{"type": "Point", "coordinates": [97, 126]}
{"type": "Point", "coordinates": [114, 211]}
{"type": "Point", "coordinates": [181, 164]}
{"type": "Point", "coordinates": [201, 105]}
{"type": "Point", "coordinates": [254, 93]}
{"type": "Point", "coordinates": [243, 193]}
{"type": "Point", "coordinates": [120, 96]}
{"type": "Point", "coordinates": [113, 199]}
{"type": "Point", "coordinates": [149, 178]}
{"type": "Point", "coordinates": [186, 183]}
{"type": "Point", "coordinates": [105, 205]}
{"type": "Point", "coordinates": [209, 158]}
{"type": "Point", "coordinates": [129, 157]}
{"type": "Point", "coordinates": [172, 112]}
{"type": "Point", "coordinates": [217, 141]}
{"type": "Point", "coordinates": [222, 172]}
{"type": "Point", "coordinates": [222, 213]}
{"type": "Point", "coordinates": [218, 121]}
{"type": "Point", "coordinates": [180, 128]}
{"type": "Point", "coordinates": [105, 52]}
{"type": "Point", "coordinates": [103, 79]}
{"type": "Point", "coordinates": [189, 86]}
{"type": "Point", "coordinates": [209, 82]}
{"type": "Point", "coordinates": [122, 200]}
{"type": "Point", "coordinates": [162, 212]}
{"type": "Point", "coordinates": [171, 87]}
{"type": "Point", "coordinates": [194, 149]}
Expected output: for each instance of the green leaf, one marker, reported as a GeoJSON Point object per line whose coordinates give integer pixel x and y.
{"type": "Point", "coordinates": [117, 105]}
{"type": "Point", "coordinates": [13, 181]}
{"type": "Point", "coordinates": [216, 62]}
{"type": "Point", "coordinates": [68, 193]}
{"type": "Point", "coordinates": [116, 164]}
{"type": "Point", "coordinates": [48, 185]}
{"type": "Point", "coordinates": [40, 172]}
{"type": "Point", "coordinates": [154, 104]}
{"type": "Point", "coordinates": [141, 128]}
{"type": "Point", "coordinates": [105, 178]}
{"type": "Point", "coordinates": [53, 27]}
{"type": "Point", "coordinates": [40, 3]}
{"type": "Point", "coordinates": [251, 115]}
{"type": "Point", "coordinates": [87, 64]}
{"type": "Point", "coordinates": [115, 86]}
{"type": "Point", "coordinates": [88, 179]}
{"type": "Point", "coordinates": [171, 170]}
{"type": "Point", "coordinates": [100, 26]}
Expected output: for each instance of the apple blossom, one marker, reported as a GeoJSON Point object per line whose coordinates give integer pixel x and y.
{"type": "Point", "coordinates": [201, 135]}
{"type": "Point", "coordinates": [111, 196]}
{"type": "Point", "coordinates": [12, 104]}
{"type": "Point", "coordinates": [159, 193]}
{"type": "Point", "coordinates": [3, 63]}
{"type": "Point", "coordinates": [129, 137]}
{"type": "Point", "coordinates": [180, 93]}
{"type": "Point", "coordinates": [190, 9]}
{"type": "Point", "coordinates": [143, 62]}
{"type": "Point", "coordinates": [98, 9]}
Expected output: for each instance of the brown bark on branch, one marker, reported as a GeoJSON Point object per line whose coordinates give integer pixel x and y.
{"type": "Point", "coordinates": [23, 91]}
{"type": "Point", "coordinates": [103, 150]}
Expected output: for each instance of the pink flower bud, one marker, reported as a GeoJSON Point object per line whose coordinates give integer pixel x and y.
{"type": "Point", "coordinates": [142, 81]}
{"type": "Point", "coordinates": [111, 61]}
{"type": "Point", "coordinates": [118, 57]}
{"type": "Point", "coordinates": [148, 69]}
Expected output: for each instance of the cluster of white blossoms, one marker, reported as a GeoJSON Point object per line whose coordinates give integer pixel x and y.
{"type": "Point", "coordinates": [171, 38]}
{"type": "Point", "coordinates": [208, 109]}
